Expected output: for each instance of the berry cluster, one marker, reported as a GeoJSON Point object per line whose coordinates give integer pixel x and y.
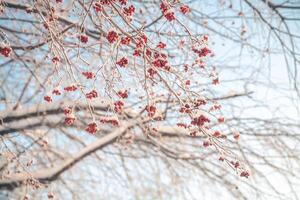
{"type": "Point", "coordinates": [5, 51]}
{"type": "Point", "coordinates": [151, 109]}
{"type": "Point", "coordinates": [92, 128]}
{"type": "Point", "coordinates": [111, 121]}
{"type": "Point", "coordinates": [83, 38]}
{"type": "Point", "coordinates": [112, 37]}
{"type": "Point", "coordinates": [184, 9]}
{"type": "Point", "coordinates": [92, 94]}
{"type": "Point", "coordinates": [123, 94]}
{"type": "Point", "coordinates": [118, 106]}
{"type": "Point", "coordinates": [70, 119]}
{"type": "Point", "coordinates": [88, 75]}
{"type": "Point", "coordinates": [167, 12]}
{"type": "Point", "coordinates": [200, 121]}
{"type": "Point", "coordinates": [123, 62]}
{"type": "Point", "coordinates": [70, 88]}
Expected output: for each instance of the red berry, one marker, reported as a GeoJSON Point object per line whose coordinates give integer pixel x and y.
{"type": "Point", "coordinates": [151, 72]}
{"type": "Point", "coordinates": [200, 121]}
{"type": "Point", "coordinates": [70, 88]}
{"type": "Point", "coordinates": [129, 11]}
{"type": "Point", "coordinates": [169, 16]}
{"type": "Point", "coordinates": [67, 111]}
{"type": "Point", "coordinates": [216, 81]}
{"type": "Point", "coordinates": [48, 98]}
{"type": "Point", "coordinates": [151, 109]}
{"type": "Point", "coordinates": [203, 52]}
{"type": "Point", "coordinates": [206, 143]}
{"type": "Point", "coordinates": [55, 60]}
{"type": "Point", "coordinates": [92, 128]}
{"type": "Point", "coordinates": [137, 52]}
{"type": "Point", "coordinates": [69, 120]}
{"type": "Point", "coordinates": [217, 134]}
{"type": "Point", "coordinates": [221, 119]}
{"type": "Point", "coordinates": [205, 38]}
{"type": "Point", "coordinates": [123, 62]}
{"type": "Point", "coordinates": [184, 9]}
{"type": "Point", "coordinates": [92, 94]}
{"type": "Point", "coordinates": [125, 40]}
{"type": "Point", "coordinates": [118, 106]}
{"type": "Point", "coordinates": [112, 36]}
{"type": "Point", "coordinates": [111, 121]}
{"type": "Point", "coordinates": [88, 75]}
{"type": "Point", "coordinates": [5, 51]}
{"type": "Point", "coordinates": [56, 92]}
{"type": "Point", "coordinates": [83, 38]}
{"type": "Point", "coordinates": [161, 45]}
{"type": "Point", "coordinates": [123, 2]}
{"type": "Point", "coordinates": [236, 135]}
{"type": "Point", "coordinates": [182, 125]}
{"type": "Point", "coordinates": [245, 174]}
{"type": "Point", "coordinates": [97, 7]}
{"type": "Point", "coordinates": [123, 94]}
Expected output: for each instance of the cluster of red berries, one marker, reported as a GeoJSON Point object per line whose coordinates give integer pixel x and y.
{"type": "Point", "coordinates": [56, 92]}
{"type": "Point", "coordinates": [206, 143]}
{"type": "Point", "coordinates": [217, 134]}
{"type": "Point", "coordinates": [161, 45]}
{"type": "Point", "coordinates": [70, 119]}
{"type": "Point", "coordinates": [200, 121]}
{"type": "Point", "coordinates": [88, 75]}
{"type": "Point", "coordinates": [98, 7]}
{"type": "Point", "coordinates": [125, 40]}
{"type": "Point", "coordinates": [151, 72]}
{"type": "Point", "coordinates": [47, 98]}
{"type": "Point", "coordinates": [141, 42]}
{"type": "Point", "coordinates": [123, 62]}
{"type": "Point", "coordinates": [83, 38]}
{"type": "Point", "coordinates": [184, 9]}
{"type": "Point", "coordinates": [123, 2]}
{"type": "Point", "coordinates": [203, 52]}
{"type": "Point", "coordinates": [216, 106]}
{"type": "Point", "coordinates": [137, 52]}
{"type": "Point", "coordinates": [92, 128]}
{"type": "Point", "coordinates": [92, 94]}
{"type": "Point", "coordinates": [216, 81]}
{"type": "Point", "coordinates": [160, 61]}
{"type": "Point", "coordinates": [118, 106]}
{"type": "Point", "coordinates": [185, 109]}
{"type": "Point", "coordinates": [113, 122]}
{"type": "Point", "coordinates": [151, 109]}
{"type": "Point", "coordinates": [183, 125]}
{"type": "Point", "coordinates": [55, 60]}
{"type": "Point", "coordinates": [112, 36]}
{"type": "Point", "coordinates": [5, 51]}
{"type": "Point", "coordinates": [199, 102]}
{"type": "Point", "coordinates": [106, 2]}
{"type": "Point", "coordinates": [123, 94]}
{"type": "Point", "coordinates": [188, 82]}
{"type": "Point", "coordinates": [129, 11]}
{"type": "Point", "coordinates": [70, 88]}
{"type": "Point", "coordinates": [167, 12]}
{"type": "Point", "coordinates": [245, 174]}
{"type": "Point", "coordinates": [235, 164]}
{"type": "Point", "coordinates": [236, 135]}
{"type": "Point", "coordinates": [221, 119]}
